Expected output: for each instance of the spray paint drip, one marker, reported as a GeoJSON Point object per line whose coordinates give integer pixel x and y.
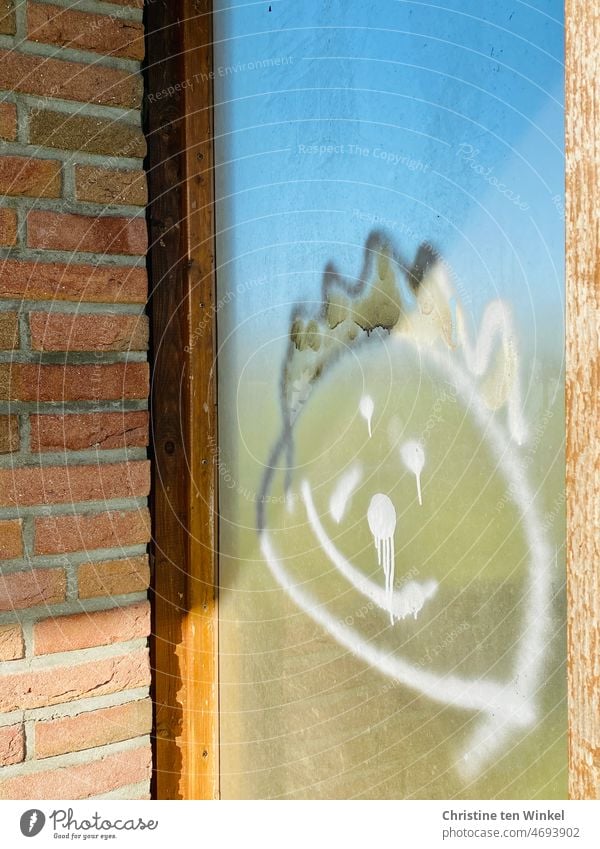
{"type": "Point", "coordinates": [366, 408]}
{"type": "Point", "coordinates": [381, 516]}
{"type": "Point", "coordinates": [413, 458]}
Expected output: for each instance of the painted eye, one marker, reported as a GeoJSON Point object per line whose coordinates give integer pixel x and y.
{"type": "Point", "coordinates": [341, 496]}
{"type": "Point", "coordinates": [413, 457]}
{"type": "Point", "coordinates": [366, 408]}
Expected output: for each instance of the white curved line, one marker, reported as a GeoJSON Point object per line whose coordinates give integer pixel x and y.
{"type": "Point", "coordinates": [488, 696]}
{"type": "Point", "coordinates": [528, 667]}
{"type": "Point", "coordinates": [379, 596]}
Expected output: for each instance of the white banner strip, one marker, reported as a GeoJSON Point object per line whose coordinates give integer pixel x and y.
{"type": "Point", "coordinates": [305, 825]}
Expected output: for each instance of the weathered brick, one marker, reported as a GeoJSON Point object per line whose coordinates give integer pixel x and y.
{"type": "Point", "coordinates": [9, 434]}
{"type": "Point", "coordinates": [9, 331]}
{"type": "Point", "coordinates": [83, 780]}
{"type": "Point", "coordinates": [12, 745]}
{"type": "Point", "coordinates": [113, 577]}
{"type": "Point", "coordinates": [23, 176]}
{"type": "Point", "coordinates": [32, 74]}
{"type": "Point", "coordinates": [19, 590]}
{"type": "Point", "coordinates": [106, 186]}
{"type": "Point", "coordinates": [88, 332]}
{"type": "Point", "coordinates": [29, 485]}
{"type": "Point", "coordinates": [90, 135]}
{"type": "Point", "coordinates": [87, 531]}
{"type": "Point", "coordinates": [93, 728]}
{"type": "Point", "coordinates": [12, 645]}
{"type": "Point", "coordinates": [99, 33]}
{"type": "Point", "coordinates": [20, 176]}
{"type": "Point", "coordinates": [141, 794]}
{"type": "Point", "coordinates": [8, 227]}
{"type": "Point", "coordinates": [81, 431]}
{"type": "Point", "coordinates": [39, 281]}
{"type": "Point", "coordinates": [8, 121]}
{"type": "Point", "coordinates": [30, 382]}
{"type": "Point", "coordinates": [8, 21]}
{"type": "Point", "coordinates": [58, 684]}
{"type": "Point", "coordinates": [84, 630]}
{"type": "Point", "coordinates": [67, 232]}
{"type": "Point", "coordinates": [11, 543]}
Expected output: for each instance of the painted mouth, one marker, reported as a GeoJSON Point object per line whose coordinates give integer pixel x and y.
{"type": "Point", "coordinates": [402, 602]}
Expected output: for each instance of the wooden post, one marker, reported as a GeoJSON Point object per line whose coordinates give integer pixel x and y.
{"type": "Point", "coordinates": [184, 426]}
{"type": "Point", "coordinates": [583, 414]}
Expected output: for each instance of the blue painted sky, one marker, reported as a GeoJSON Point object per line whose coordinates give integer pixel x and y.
{"type": "Point", "coordinates": [439, 122]}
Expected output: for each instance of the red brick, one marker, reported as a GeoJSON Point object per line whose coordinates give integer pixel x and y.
{"type": "Point", "coordinates": [9, 434]}
{"type": "Point", "coordinates": [8, 227]}
{"type": "Point", "coordinates": [12, 745]}
{"type": "Point", "coordinates": [80, 30]}
{"type": "Point", "coordinates": [84, 630]}
{"type": "Point", "coordinates": [67, 232]}
{"type": "Point", "coordinates": [12, 646]}
{"type": "Point", "coordinates": [9, 331]}
{"type": "Point", "coordinates": [20, 590]}
{"type": "Point", "coordinates": [83, 780]}
{"type": "Point", "coordinates": [25, 177]}
{"type": "Point", "coordinates": [87, 531]}
{"type": "Point", "coordinates": [59, 684]}
{"type": "Point", "coordinates": [8, 121]}
{"type": "Point", "coordinates": [100, 33]}
{"type": "Point", "coordinates": [29, 485]}
{"type": "Point", "coordinates": [86, 133]}
{"type": "Point", "coordinates": [94, 83]}
{"type": "Point", "coordinates": [101, 185]}
{"type": "Point", "coordinates": [77, 332]}
{"type": "Point", "coordinates": [38, 281]}
{"type": "Point", "coordinates": [8, 21]}
{"type": "Point", "coordinates": [11, 544]}
{"type": "Point", "coordinates": [99, 382]}
{"type": "Point", "coordinates": [113, 577]}
{"type": "Point", "coordinates": [93, 728]}
{"type": "Point", "coordinates": [82, 431]}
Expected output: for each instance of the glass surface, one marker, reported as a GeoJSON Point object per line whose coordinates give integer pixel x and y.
{"type": "Point", "coordinates": [390, 330]}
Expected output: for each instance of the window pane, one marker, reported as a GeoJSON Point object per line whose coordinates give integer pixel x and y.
{"type": "Point", "coordinates": [390, 325]}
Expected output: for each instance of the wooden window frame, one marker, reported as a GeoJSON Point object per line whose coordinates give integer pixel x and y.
{"type": "Point", "coordinates": [184, 412]}
{"type": "Point", "coordinates": [184, 422]}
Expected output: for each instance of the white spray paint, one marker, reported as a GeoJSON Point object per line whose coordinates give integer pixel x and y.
{"type": "Point", "coordinates": [290, 502]}
{"type": "Point", "coordinates": [413, 596]}
{"type": "Point", "coordinates": [492, 697]}
{"type": "Point", "coordinates": [402, 604]}
{"type": "Point", "coordinates": [342, 494]}
{"type": "Point", "coordinates": [367, 407]}
{"type": "Point", "coordinates": [413, 458]}
{"type": "Point", "coordinates": [440, 312]}
{"type": "Point", "coordinates": [527, 676]}
{"type": "Point", "coordinates": [496, 323]}
{"type": "Point", "coordinates": [507, 704]}
{"type": "Point", "coordinates": [381, 516]}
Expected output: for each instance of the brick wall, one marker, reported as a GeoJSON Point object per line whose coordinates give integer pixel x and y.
{"type": "Point", "coordinates": [74, 675]}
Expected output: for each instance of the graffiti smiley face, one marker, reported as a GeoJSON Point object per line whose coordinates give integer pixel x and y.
{"type": "Point", "coordinates": [409, 518]}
